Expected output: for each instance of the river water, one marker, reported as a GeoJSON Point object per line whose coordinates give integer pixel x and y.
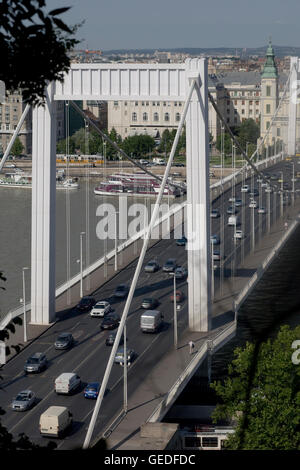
{"type": "Point", "coordinates": [15, 235]}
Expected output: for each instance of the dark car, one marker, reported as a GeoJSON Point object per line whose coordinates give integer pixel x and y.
{"type": "Point", "coordinates": [110, 322]}
{"type": "Point", "coordinates": [215, 213]}
{"type": "Point", "coordinates": [181, 272]}
{"type": "Point", "coordinates": [152, 266]}
{"type": "Point", "coordinates": [86, 304]}
{"type": "Point", "coordinates": [36, 363]}
{"type": "Point", "coordinates": [64, 341]}
{"type": "Point", "coordinates": [170, 265]}
{"type": "Point", "coordinates": [150, 303]}
{"type": "Point", "coordinates": [121, 291]}
{"type": "Point", "coordinates": [111, 338]}
{"type": "Point", "coordinates": [181, 241]}
{"type": "Point", "coordinates": [232, 210]}
{"type": "Point", "coordinates": [179, 296]}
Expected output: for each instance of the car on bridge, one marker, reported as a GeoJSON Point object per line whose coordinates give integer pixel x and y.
{"type": "Point", "coordinates": [245, 188]}
{"type": "Point", "coordinates": [232, 210]}
{"type": "Point", "coordinates": [150, 303]}
{"type": "Point", "coordinates": [181, 241]}
{"type": "Point", "coordinates": [111, 338]}
{"type": "Point", "coordinates": [35, 363]}
{"type": "Point", "coordinates": [86, 303]}
{"type": "Point", "coordinates": [120, 356]}
{"type": "Point", "coordinates": [261, 210]}
{"type": "Point", "coordinates": [170, 265]}
{"type": "Point", "coordinates": [179, 296]}
{"type": "Point", "coordinates": [254, 192]}
{"type": "Point", "coordinates": [215, 213]}
{"type": "Point", "coordinates": [110, 322]}
{"type": "Point", "coordinates": [121, 291]}
{"type": "Point", "coordinates": [181, 272]}
{"type": "Point", "coordinates": [238, 203]}
{"type": "Point", "coordinates": [253, 204]}
{"type": "Point", "coordinates": [151, 267]}
{"type": "Point", "coordinates": [215, 239]}
{"type": "Point", "coordinates": [101, 309]}
{"type": "Point", "coordinates": [23, 401]}
{"type": "Point", "coordinates": [92, 390]}
{"type": "Point", "coordinates": [238, 234]}
{"type": "Point", "coordinates": [64, 341]}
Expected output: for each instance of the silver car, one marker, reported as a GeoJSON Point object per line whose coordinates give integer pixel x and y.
{"type": "Point", "coordinates": [151, 267]}
{"type": "Point", "coordinates": [119, 357]}
{"type": "Point", "coordinates": [35, 363]}
{"type": "Point", "coordinates": [23, 401]}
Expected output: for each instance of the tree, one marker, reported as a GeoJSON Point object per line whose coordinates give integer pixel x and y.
{"type": "Point", "coordinates": [262, 394]}
{"type": "Point", "coordinates": [249, 131]}
{"type": "Point", "coordinates": [227, 143]}
{"type": "Point", "coordinates": [138, 145]}
{"type": "Point", "coordinates": [34, 47]}
{"type": "Point", "coordinates": [17, 147]}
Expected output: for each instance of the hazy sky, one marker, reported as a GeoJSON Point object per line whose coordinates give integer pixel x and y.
{"type": "Point", "coordinates": [137, 24]}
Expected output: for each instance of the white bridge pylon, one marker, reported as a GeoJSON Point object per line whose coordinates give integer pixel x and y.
{"type": "Point", "coordinates": [130, 82]}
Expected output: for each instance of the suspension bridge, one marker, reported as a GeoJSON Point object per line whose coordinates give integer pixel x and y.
{"type": "Point", "coordinates": [210, 297]}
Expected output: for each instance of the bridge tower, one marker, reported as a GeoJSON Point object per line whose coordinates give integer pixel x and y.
{"type": "Point", "coordinates": [151, 82]}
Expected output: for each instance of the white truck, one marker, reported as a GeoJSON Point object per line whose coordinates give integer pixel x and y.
{"type": "Point", "coordinates": [55, 421]}
{"type": "Point", "coordinates": [159, 161]}
{"type": "Point", "coordinates": [150, 321]}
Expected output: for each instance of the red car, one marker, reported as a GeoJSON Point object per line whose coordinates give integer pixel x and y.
{"type": "Point", "coordinates": [179, 296]}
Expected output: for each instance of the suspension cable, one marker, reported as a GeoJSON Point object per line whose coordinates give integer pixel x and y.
{"type": "Point", "coordinates": [68, 204]}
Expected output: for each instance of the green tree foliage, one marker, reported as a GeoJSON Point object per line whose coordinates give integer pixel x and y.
{"type": "Point", "coordinates": [248, 132]}
{"type": "Point", "coordinates": [262, 394]}
{"type": "Point", "coordinates": [138, 145]}
{"type": "Point", "coordinates": [33, 46]}
{"type": "Point", "coordinates": [167, 139]}
{"type": "Point", "coordinates": [111, 153]}
{"type": "Point", "coordinates": [227, 143]}
{"type": "Point", "coordinates": [17, 148]}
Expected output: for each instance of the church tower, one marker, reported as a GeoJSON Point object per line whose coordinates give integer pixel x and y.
{"type": "Point", "coordinates": [269, 96]}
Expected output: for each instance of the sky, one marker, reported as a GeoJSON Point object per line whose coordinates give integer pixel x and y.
{"type": "Point", "coordinates": [166, 24]}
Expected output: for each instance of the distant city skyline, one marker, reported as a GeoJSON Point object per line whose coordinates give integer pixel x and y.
{"type": "Point", "coordinates": [140, 24]}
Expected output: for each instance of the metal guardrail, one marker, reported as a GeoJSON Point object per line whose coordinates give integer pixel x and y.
{"type": "Point", "coordinates": [210, 345]}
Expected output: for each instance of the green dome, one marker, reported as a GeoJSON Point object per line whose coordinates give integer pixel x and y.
{"type": "Point", "coordinates": [270, 69]}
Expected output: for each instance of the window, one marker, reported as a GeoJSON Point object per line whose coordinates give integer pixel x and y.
{"type": "Point", "coordinates": [243, 102]}
{"type": "Point", "coordinates": [179, 104]}
{"type": "Point", "coordinates": [147, 103]}
{"type": "Point", "coordinates": [153, 104]}
{"type": "Point", "coordinates": [267, 124]}
{"type": "Point", "coordinates": [134, 117]}
{"type": "Point", "coordinates": [116, 103]}
{"type": "Point", "coordinates": [158, 103]}
{"type": "Point", "coordinates": [155, 116]}
{"type": "Point", "coordinates": [250, 111]}
{"type": "Point", "coordinates": [235, 101]}
{"type": "Point", "coordinates": [235, 120]}
{"type": "Point", "coordinates": [228, 111]}
{"type": "Point", "coordinates": [243, 111]}
{"type": "Point", "coordinates": [125, 103]}
{"type": "Point", "coordinates": [167, 117]}
{"type": "Point", "coordinates": [136, 103]}
{"type": "Point", "coordinates": [268, 108]}
{"type": "Point", "coordinates": [177, 117]}
{"type": "Point", "coordinates": [228, 120]}
{"type": "Point", "coordinates": [143, 103]}
{"type": "Point", "coordinates": [268, 90]}
{"type": "Point", "coordinates": [228, 102]}
{"type": "Point", "coordinates": [175, 103]}
{"type": "Point", "coordinates": [210, 442]}
{"type": "Point", "coordinates": [235, 111]}
{"type": "Point", "coordinates": [257, 103]}
{"type": "Point", "coordinates": [145, 117]}
{"type": "Point", "coordinates": [250, 102]}
{"type": "Point", "coordinates": [192, 442]}
{"type": "Point", "coordinates": [278, 131]}
{"type": "Point", "coordinates": [164, 103]}
{"type": "Point", "coordinates": [7, 127]}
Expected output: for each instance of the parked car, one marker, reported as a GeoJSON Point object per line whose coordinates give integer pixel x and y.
{"type": "Point", "coordinates": [215, 213]}
{"type": "Point", "coordinates": [179, 296]}
{"type": "Point", "coordinates": [64, 341]}
{"type": "Point", "coordinates": [91, 390]}
{"type": "Point", "coordinates": [120, 355]}
{"type": "Point", "coordinates": [150, 303]}
{"type": "Point", "coordinates": [101, 309]}
{"type": "Point", "coordinates": [152, 266]}
{"type": "Point", "coordinates": [181, 241]}
{"type": "Point", "coordinates": [170, 265]}
{"type": "Point", "coordinates": [215, 239]}
{"type": "Point", "coordinates": [23, 401]}
{"type": "Point", "coordinates": [121, 291]}
{"type": "Point", "coordinates": [110, 322]}
{"type": "Point", "coordinates": [111, 338]}
{"type": "Point", "coordinates": [36, 363]}
{"type": "Point", "coordinates": [86, 303]}
{"type": "Point", "coordinates": [181, 272]}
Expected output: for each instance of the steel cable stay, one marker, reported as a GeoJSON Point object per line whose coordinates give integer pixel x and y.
{"type": "Point", "coordinates": [87, 201]}
{"type": "Point", "coordinates": [137, 272]}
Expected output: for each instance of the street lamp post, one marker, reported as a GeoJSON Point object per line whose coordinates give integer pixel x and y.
{"type": "Point", "coordinates": [293, 184]}
{"type": "Point", "coordinates": [125, 372]}
{"type": "Point", "coordinates": [24, 305]}
{"type": "Point", "coordinates": [281, 195]}
{"type": "Point", "coordinates": [175, 314]}
{"type": "Point", "coordinates": [81, 265]}
{"type": "Point", "coordinates": [116, 241]}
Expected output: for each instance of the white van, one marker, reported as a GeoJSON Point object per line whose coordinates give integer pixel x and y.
{"type": "Point", "coordinates": [55, 421]}
{"type": "Point", "coordinates": [67, 382]}
{"type": "Point", "coordinates": [151, 320]}
{"type": "Point", "coordinates": [233, 220]}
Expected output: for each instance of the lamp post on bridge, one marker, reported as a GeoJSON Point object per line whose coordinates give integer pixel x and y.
{"type": "Point", "coordinates": [81, 265]}
{"type": "Point", "coordinates": [24, 304]}
{"type": "Point", "coordinates": [175, 312]}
